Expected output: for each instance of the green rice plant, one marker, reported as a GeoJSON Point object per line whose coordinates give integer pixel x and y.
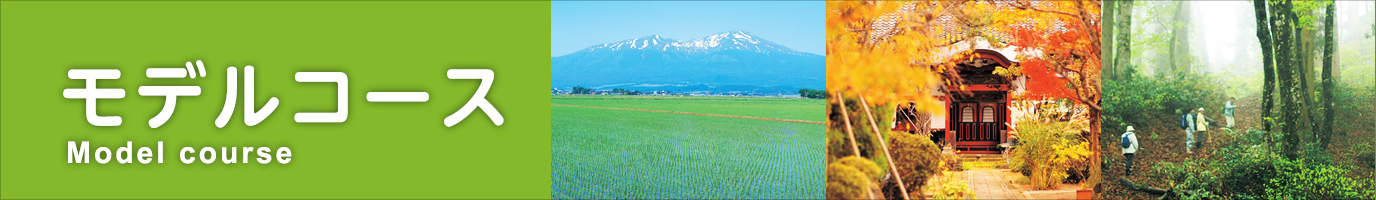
{"type": "Point", "coordinates": [604, 153]}
{"type": "Point", "coordinates": [780, 108]}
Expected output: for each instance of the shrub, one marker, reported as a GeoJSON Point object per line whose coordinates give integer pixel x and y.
{"type": "Point", "coordinates": [916, 158]}
{"type": "Point", "coordinates": [865, 166]}
{"type": "Point", "coordinates": [1188, 180]}
{"type": "Point", "coordinates": [847, 182]}
{"type": "Point", "coordinates": [1367, 158]}
{"type": "Point", "coordinates": [1153, 100]}
{"type": "Point", "coordinates": [1314, 153]}
{"type": "Point", "coordinates": [838, 145]}
{"type": "Point", "coordinates": [1047, 150]}
{"type": "Point", "coordinates": [1298, 180]}
{"type": "Point", "coordinates": [1253, 172]}
{"type": "Point", "coordinates": [1242, 168]}
{"type": "Point", "coordinates": [953, 188]}
{"type": "Point", "coordinates": [1363, 155]}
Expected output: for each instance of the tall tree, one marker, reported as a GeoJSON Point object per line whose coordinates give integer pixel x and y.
{"type": "Point", "coordinates": [1123, 56]}
{"type": "Point", "coordinates": [1304, 54]}
{"type": "Point", "coordinates": [1108, 16]}
{"type": "Point", "coordinates": [1328, 48]}
{"type": "Point", "coordinates": [1072, 49]}
{"type": "Point", "coordinates": [1180, 38]}
{"type": "Point", "coordinates": [1268, 61]}
{"type": "Point", "coordinates": [1283, 17]}
{"type": "Point", "coordinates": [874, 48]}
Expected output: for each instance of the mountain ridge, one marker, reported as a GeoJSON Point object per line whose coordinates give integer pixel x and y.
{"type": "Point", "coordinates": [735, 39]}
{"type": "Point", "coordinates": [729, 62]}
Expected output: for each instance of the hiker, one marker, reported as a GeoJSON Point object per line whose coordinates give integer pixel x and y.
{"type": "Point", "coordinates": [1228, 112]}
{"type": "Point", "coordinates": [1130, 147]}
{"type": "Point", "coordinates": [1187, 122]}
{"type": "Point", "coordinates": [1201, 125]}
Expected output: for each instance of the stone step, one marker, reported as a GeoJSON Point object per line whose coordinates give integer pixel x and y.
{"type": "Point", "coordinates": [981, 156]}
{"type": "Point", "coordinates": [996, 159]}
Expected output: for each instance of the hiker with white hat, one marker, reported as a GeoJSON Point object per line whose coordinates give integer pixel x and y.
{"type": "Point", "coordinates": [1130, 147]}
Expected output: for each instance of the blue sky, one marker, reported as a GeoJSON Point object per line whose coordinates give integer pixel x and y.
{"type": "Point", "coordinates": [576, 25]}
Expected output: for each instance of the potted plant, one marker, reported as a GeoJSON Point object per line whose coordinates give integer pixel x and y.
{"type": "Point", "coordinates": [1085, 191]}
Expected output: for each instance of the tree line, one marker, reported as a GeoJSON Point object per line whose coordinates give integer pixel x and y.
{"type": "Point", "coordinates": [583, 90]}
{"type": "Point", "coordinates": [813, 94]}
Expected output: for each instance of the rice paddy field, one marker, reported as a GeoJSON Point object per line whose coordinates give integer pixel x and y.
{"type": "Point", "coordinates": [610, 153]}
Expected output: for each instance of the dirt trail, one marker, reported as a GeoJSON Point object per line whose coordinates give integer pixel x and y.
{"type": "Point", "coordinates": [700, 114]}
{"type": "Point", "coordinates": [1168, 146]}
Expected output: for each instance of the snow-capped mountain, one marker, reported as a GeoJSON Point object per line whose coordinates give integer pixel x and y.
{"type": "Point", "coordinates": [729, 40]}
{"type": "Point", "coordinates": [729, 62]}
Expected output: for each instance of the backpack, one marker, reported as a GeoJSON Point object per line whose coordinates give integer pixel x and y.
{"type": "Point", "coordinates": [1184, 121]}
{"type": "Point", "coordinates": [1127, 143]}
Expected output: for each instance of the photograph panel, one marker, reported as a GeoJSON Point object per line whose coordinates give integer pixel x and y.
{"type": "Point", "coordinates": [687, 100]}
{"type": "Point", "coordinates": [962, 99]}
{"type": "Point", "coordinates": [1238, 100]}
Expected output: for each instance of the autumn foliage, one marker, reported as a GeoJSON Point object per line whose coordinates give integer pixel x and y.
{"type": "Point", "coordinates": [879, 61]}
{"type": "Point", "coordinates": [898, 51]}
{"type": "Point", "coordinates": [891, 52]}
{"type": "Point", "coordinates": [1068, 65]}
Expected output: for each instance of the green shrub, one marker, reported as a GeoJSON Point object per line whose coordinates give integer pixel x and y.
{"type": "Point", "coordinates": [916, 158]}
{"type": "Point", "coordinates": [1299, 180]}
{"type": "Point", "coordinates": [865, 166]}
{"type": "Point", "coordinates": [838, 145]}
{"type": "Point", "coordinates": [953, 187]}
{"type": "Point", "coordinates": [1363, 155]}
{"type": "Point", "coordinates": [1048, 150]}
{"type": "Point", "coordinates": [1252, 172]}
{"type": "Point", "coordinates": [1242, 168]}
{"type": "Point", "coordinates": [847, 182]}
{"type": "Point", "coordinates": [1366, 158]}
{"type": "Point", "coordinates": [1148, 101]}
{"type": "Point", "coordinates": [1315, 153]}
{"type": "Point", "coordinates": [1188, 180]}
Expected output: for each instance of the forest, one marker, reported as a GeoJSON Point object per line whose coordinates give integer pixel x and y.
{"type": "Point", "coordinates": [1300, 74]}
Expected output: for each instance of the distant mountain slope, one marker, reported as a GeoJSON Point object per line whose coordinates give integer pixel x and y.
{"type": "Point", "coordinates": [730, 62]}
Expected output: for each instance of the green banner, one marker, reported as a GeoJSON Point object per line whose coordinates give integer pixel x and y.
{"type": "Point", "coordinates": [363, 145]}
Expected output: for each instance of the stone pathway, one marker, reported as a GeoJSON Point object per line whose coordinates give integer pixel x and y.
{"type": "Point", "coordinates": [989, 184]}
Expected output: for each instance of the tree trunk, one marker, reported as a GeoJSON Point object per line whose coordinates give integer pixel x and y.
{"type": "Point", "coordinates": [1268, 62]}
{"type": "Point", "coordinates": [1142, 187]}
{"type": "Point", "coordinates": [850, 131]}
{"type": "Point", "coordinates": [899, 177]}
{"type": "Point", "coordinates": [1123, 55]}
{"type": "Point", "coordinates": [1180, 38]}
{"type": "Point", "coordinates": [1337, 70]}
{"type": "Point", "coordinates": [1095, 175]}
{"type": "Point", "coordinates": [1283, 18]}
{"type": "Point", "coordinates": [1328, 48]}
{"type": "Point", "coordinates": [1107, 69]}
{"type": "Point", "coordinates": [1306, 52]}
